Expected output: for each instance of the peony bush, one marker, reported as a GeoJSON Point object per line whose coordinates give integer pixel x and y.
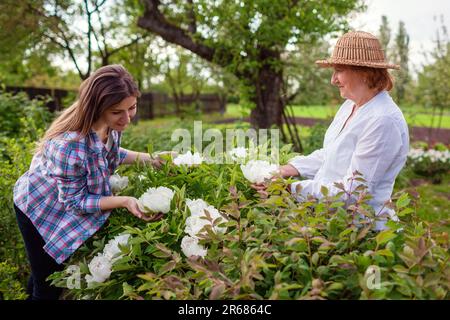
{"type": "Point", "coordinates": [220, 240]}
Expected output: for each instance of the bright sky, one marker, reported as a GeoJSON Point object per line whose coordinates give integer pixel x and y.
{"type": "Point", "coordinates": [418, 16]}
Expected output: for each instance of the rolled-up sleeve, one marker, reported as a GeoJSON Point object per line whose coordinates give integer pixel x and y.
{"type": "Point", "coordinates": [374, 157]}
{"type": "Point", "coordinates": [68, 168]}
{"type": "Point", "coordinates": [308, 165]}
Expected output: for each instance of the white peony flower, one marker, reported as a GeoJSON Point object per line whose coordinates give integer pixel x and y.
{"type": "Point", "coordinates": [238, 153]}
{"type": "Point", "coordinates": [190, 247]}
{"type": "Point", "coordinates": [188, 159]}
{"type": "Point", "coordinates": [195, 223]}
{"type": "Point", "coordinates": [100, 269]}
{"type": "Point", "coordinates": [196, 206]}
{"type": "Point", "coordinates": [156, 200]}
{"type": "Point", "coordinates": [256, 171]}
{"type": "Point", "coordinates": [112, 250]}
{"type": "Point", "coordinates": [118, 183]}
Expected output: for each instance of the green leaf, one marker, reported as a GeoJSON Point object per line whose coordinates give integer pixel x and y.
{"type": "Point", "coordinates": [405, 212]}
{"type": "Point", "coordinates": [315, 258]}
{"type": "Point", "coordinates": [385, 236]}
{"type": "Point", "coordinates": [169, 266]}
{"type": "Point", "coordinates": [385, 252]}
{"type": "Point", "coordinates": [403, 201]}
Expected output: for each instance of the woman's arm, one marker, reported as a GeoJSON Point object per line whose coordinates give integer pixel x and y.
{"type": "Point", "coordinates": [142, 157]}
{"type": "Point", "coordinates": [308, 165]}
{"type": "Point", "coordinates": [130, 203]}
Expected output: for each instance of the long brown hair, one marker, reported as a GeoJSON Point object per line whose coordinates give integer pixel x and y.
{"type": "Point", "coordinates": [105, 88]}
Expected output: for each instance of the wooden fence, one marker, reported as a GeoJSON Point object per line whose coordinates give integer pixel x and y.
{"type": "Point", "coordinates": [150, 105]}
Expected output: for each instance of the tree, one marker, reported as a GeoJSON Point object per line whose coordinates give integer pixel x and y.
{"type": "Point", "coordinates": [247, 38]}
{"type": "Point", "coordinates": [88, 32]}
{"type": "Point", "coordinates": [433, 79]}
{"type": "Point", "coordinates": [384, 34]}
{"type": "Point", "coordinates": [401, 50]}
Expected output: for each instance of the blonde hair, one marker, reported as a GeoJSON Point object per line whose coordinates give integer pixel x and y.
{"type": "Point", "coordinates": [105, 88]}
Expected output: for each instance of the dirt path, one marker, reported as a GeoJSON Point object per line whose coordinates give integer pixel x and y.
{"type": "Point", "coordinates": [417, 133]}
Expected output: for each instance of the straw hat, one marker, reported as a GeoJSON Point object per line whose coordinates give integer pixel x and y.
{"type": "Point", "coordinates": [358, 48]}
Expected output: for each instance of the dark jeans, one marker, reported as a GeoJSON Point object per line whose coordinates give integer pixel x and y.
{"type": "Point", "coordinates": [42, 265]}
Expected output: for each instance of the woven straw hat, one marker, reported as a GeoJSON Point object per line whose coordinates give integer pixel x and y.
{"type": "Point", "coordinates": [358, 48]}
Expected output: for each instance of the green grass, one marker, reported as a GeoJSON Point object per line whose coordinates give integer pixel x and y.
{"type": "Point", "coordinates": [415, 115]}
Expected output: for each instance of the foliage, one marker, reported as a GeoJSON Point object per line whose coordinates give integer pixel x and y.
{"type": "Point", "coordinates": [22, 117]}
{"type": "Point", "coordinates": [305, 82]}
{"type": "Point", "coordinates": [315, 138]}
{"type": "Point", "coordinates": [10, 287]}
{"type": "Point", "coordinates": [401, 50]}
{"type": "Point", "coordinates": [23, 121]}
{"type": "Point", "coordinates": [273, 248]}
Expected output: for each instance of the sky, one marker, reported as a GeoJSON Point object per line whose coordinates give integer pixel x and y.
{"type": "Point", "coordinates": [418, 16]}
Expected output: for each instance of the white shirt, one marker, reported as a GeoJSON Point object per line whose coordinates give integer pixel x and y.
{"type": "Point", "coordinates": [374, 142]}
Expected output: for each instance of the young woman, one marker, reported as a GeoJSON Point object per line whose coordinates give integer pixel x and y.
{"type": "Point", "coordinates": [65, 196]}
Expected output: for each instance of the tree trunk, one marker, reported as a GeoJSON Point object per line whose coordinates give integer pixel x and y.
{"type": "Point", "coordinates": [269, 108]}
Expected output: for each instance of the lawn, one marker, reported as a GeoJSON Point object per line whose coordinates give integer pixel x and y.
{"type": "Point", "coordinates": [415, 116]}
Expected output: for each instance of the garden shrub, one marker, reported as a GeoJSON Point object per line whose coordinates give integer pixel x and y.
{"type": "Point", "coordinates": [23, 121]}
{"type": "Point", "coordinates": [273, 247]}
{"type": "Point", "coordinates": [10, 287]}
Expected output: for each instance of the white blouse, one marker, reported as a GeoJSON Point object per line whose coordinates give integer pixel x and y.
{"type": "Point", "coordinates": [374, 142]}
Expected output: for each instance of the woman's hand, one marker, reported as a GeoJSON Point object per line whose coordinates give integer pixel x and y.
{"type": "Point", "coordinates": [261, 189]}
{"type": "Point", "coordinates": [288, 170]}
{"type": "Point", "coordinates": [131, 204]}
{"type": "Point", "coordinates": [158, 161]}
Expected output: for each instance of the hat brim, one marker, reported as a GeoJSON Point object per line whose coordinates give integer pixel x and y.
{"type": "Point", "coordinates": [332, 62]}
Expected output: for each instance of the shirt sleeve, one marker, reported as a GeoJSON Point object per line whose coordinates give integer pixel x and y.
{"type": "Point", "coordinates": [122, 155]}
{"type": "Point", "coordinates": [373, 157]}
{"type": "Point", "coordinates": [68, 168]}
{"type": "Point", "coordinates": [308, 165]}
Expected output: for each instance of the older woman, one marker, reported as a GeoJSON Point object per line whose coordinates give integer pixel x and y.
{"type": "Point", "coordinates": [368, 134]}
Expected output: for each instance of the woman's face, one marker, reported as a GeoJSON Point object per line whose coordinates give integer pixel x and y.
{"type": "Point", "coordinates": [350, 83]}
{"type": "Point", "coordinates": [118, 117]}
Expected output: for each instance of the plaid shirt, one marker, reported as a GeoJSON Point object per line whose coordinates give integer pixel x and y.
{"type": "Point", "coordinates": [61, 191]}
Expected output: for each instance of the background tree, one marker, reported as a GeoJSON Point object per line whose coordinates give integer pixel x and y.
{"type": "Point", "coordinates": [247, 38]}
{"type": "Point", "coordinates": [87, 32]}
{"type": "Point", "coordinates": [432, 87]}
{"type": "Point", "coordinates": [401, 50]}
{"type": "Point", "coordinates": [384, 34]}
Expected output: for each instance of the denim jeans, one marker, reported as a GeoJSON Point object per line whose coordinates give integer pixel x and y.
{"type": "Point", "coordinates": [42, 265]}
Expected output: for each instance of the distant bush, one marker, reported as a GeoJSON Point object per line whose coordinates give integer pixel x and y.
{"type": "Point", "coordinates": [432, 163]}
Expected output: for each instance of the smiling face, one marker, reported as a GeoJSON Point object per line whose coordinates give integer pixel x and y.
{"type": "Point", "coordinates": [118, 117]}
{"type": "Point", "coordinates": [350, 83]}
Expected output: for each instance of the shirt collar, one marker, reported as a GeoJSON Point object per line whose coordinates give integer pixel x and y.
{"type": "Point", "coordinates": [96, 144]}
